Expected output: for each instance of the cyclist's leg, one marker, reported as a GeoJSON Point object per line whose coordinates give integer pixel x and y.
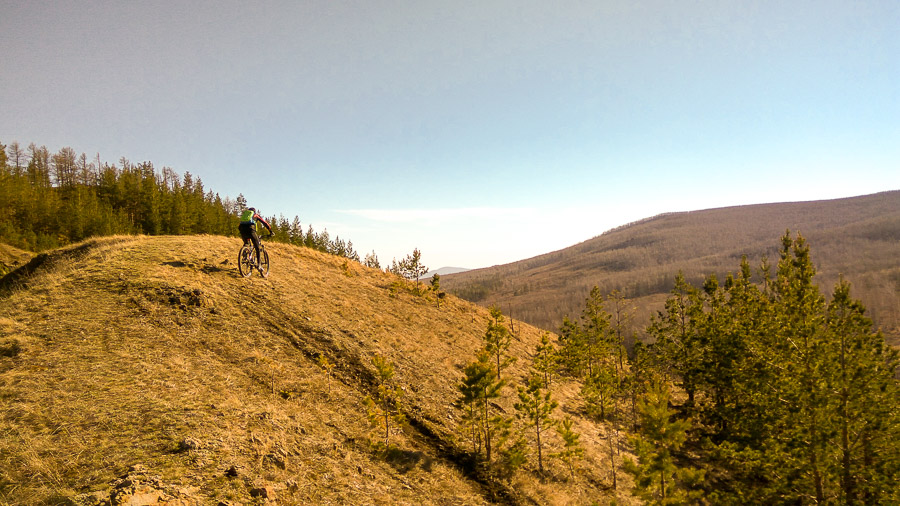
{"type": "Point", "coordinates": [255, 239]}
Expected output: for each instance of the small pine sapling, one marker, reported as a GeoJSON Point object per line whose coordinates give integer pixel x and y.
{"type": "Point", "coordinates": [436, 288]}
{"type": "Point", "coordinates": [535, 407]}
{"type": "Point", "coordinates": [598, 392]}
{"type": "Point", "coordinates": [497, 340]}
{"type": "Point", "coordinates": [436, 283]}
{"type": "Point", "coordinates": [513, 457]}
{"type": "Point", "coordinates": [384, 409]}
{"type": "Point", "coordinates": [478, 387]}
{"type": "Point", "coordinates": [546, 359]}
{"type": "Point", "coordinates": [572, 450]}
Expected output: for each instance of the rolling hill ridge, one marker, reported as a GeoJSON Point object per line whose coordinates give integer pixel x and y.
{"type": "Point", "coordinates": [857, 237]}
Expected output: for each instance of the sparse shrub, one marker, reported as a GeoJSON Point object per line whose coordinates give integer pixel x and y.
{"type": "Point", "coordinates": [273, 367]}
{"type": "Point", "coordinates": [10, 348]}
{"type": "Point", "coordinates": [326, 366]}
{"type": "Point", "coordinates": [513, 458]}
{"type": "Point", "coordinates": [396, 286]}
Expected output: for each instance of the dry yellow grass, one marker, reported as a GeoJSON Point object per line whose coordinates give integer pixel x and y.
{"type": "Point", "coordinates": [153, 351]}
{"type": "Point", "coordinates": [12, 258]}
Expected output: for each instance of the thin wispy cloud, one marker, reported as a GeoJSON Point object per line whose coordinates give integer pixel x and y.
{"type": "Point", "coordinates": [438, 215]}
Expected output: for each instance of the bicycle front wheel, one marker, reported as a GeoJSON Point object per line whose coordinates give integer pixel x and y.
{"type": "Point", "coordinates": [245, 261]}
{"type": "Point", "coordinates": [264, 262]}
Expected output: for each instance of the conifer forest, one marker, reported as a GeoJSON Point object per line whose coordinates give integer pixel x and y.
{"type": "Point", "coordinates": [50, 200]}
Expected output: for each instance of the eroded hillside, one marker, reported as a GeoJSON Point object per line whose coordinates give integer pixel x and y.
{"type": "Point", "coordinates": [153, 352]}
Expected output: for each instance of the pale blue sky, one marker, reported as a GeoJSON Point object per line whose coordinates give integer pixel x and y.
{"type": "Point", "coordinates": [481, 132]}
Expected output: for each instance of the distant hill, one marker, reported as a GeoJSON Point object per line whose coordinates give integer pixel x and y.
{"type": "Point", "coordinates": [857, 237]}
{"type": "Point", "coordinates": [146, 368]}
{"type": "Point", "coordinates": [444, 271]}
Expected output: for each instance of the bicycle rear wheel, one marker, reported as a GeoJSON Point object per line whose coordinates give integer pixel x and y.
{"type": "Point", "coordinates": [245, 261]}
{"type": "Point", "coordinates": [264, 262]}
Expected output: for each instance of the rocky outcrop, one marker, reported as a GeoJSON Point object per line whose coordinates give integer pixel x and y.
{"type": "Point", "coordinates": [139, 488]}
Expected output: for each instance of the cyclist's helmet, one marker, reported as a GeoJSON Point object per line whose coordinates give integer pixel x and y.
{"type": "Point", "coordinates": [252, 209]}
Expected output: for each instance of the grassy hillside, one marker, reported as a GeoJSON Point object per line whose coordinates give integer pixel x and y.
{"type": "Point", "coordinates": [151, 356]}
{"type": "Point", "coordinates": [857, 237]}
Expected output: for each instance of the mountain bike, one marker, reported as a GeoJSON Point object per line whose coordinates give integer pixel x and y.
{"type": "Point", "coordinates": [247, 259]}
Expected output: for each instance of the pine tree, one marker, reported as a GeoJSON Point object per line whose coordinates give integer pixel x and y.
{"type": "Point", "coordinates": [497, 340]}
{"type": "Point", "coordinates": [546, 359]}
{"type": "Point", "coordinates": [479, 386]}
{"type": "Point", "coordinates": [598, 392]}
{"type": "Point", "coordinates": [384, 408]}
{"type": "Point", "coordinates": [572, 450]}
{"type": "Point", "coordinates": [595, 332]}
{"type": "Point", "coordinates": [864, 404]}
{"type": "Point", "coordinates": [412, 268]}
{"type": "Point", "coordinates": [621, 315]}
{"type": "Point", "coordinates": [16, 158]}
{"type": "Point", "coordinates": [536, 406]}
{"type": "Point", "coordinates": [571, 353]}
{"type": "Point", "coordinates": [657, 477]}
{"type": "Point", "coordinates": [436, 283]}
{"type": "Point", "coordinates": [677, 345]}
{"type": "Point", "coordinates": [436, 289]}
{"type": "Point", "coordinates": [799, 311]}
{"type": "Point", "coordinates": [371, 260]}
{"type": "Point", "coordinates": [737, 318]}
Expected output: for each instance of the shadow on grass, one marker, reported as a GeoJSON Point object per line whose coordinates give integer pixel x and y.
{"type": "Point", "coordinates": [206, 269]}
{"type": "Point", "coordinates": [404, 460]}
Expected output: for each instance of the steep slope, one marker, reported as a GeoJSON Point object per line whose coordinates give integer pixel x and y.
{"type": "Point", "coordinates": [153, 352]}
{"type": "Point", "coordinates": [857, 237]}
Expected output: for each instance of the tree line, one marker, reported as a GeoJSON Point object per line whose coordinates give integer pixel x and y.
{"type": "Point", "coordinates": [754, 390]}
{"type": "Point", "coordinates": [748, 392]}
{"type": "Point", "coordinates": [53, 199]}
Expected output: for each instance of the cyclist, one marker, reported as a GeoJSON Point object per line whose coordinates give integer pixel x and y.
{"type": "Point", "coordinates": [247, 228]}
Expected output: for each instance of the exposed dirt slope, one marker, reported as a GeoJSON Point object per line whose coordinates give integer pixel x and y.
{"type": "Point", "coordinates": [153, 352]}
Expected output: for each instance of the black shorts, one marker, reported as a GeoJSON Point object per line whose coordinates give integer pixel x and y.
{"type": "Point", "coordinates": [248, 231]}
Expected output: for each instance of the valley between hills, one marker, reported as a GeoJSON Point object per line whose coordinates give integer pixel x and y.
{"type": "Point", "coordinates": [857, 238]}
